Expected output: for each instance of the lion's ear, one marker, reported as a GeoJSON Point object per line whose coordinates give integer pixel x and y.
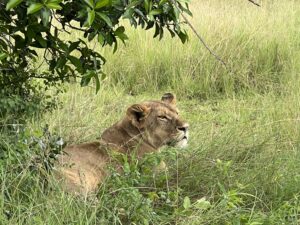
{"type": "Point", "coordinates": [137, 114]}
{"type": "Point", "coordinates": [169, 98]}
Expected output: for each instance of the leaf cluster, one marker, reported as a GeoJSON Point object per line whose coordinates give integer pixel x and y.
{"type": "Point", "coordinates": [29, 25]}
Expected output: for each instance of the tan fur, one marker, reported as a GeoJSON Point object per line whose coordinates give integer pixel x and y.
{"type": "Point", "coordinates": [145, 128]}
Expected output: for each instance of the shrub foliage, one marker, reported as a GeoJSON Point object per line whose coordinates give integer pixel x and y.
{"type": "Point", "coordinates": [27, 25]}
{"type": "Point", "coordinates": [30, 37]}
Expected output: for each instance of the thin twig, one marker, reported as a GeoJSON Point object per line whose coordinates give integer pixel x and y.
{"type": "Point", "coordinates": [198, 35]}
{"type": "Point", "coordinates": [44, 59]}
{"type": "Point", "coordinates": [255, 3]}
{"type": "Point", "coordinates": [75, 28]}
{"type": "Point", "coordinates": [68, 25]}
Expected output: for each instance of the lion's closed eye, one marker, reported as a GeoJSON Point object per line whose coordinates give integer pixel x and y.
{"type": "Point", "coordinates": [163, 118]}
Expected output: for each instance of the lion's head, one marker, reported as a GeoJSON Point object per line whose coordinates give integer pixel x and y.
{"type": "Point", "coordinates": [150, 125]}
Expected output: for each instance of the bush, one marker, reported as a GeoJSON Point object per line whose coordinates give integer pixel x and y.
{"type": "Point", "coordinates": [30, 35]}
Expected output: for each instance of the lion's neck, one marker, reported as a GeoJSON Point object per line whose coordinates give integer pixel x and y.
{"type": "Point", "coordinates": [127, 138]}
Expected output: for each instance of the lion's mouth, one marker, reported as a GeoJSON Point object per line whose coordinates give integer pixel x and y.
{"type": "Point", "coordinates": [185, 136]}
{"type": "Point", "coordinates": [180, 142]}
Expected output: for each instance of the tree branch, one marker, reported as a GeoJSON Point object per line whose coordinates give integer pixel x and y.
{"type": "Point", "coordinates": [253, 2]}
{"type": "Point", "coordinates": [199, 36]}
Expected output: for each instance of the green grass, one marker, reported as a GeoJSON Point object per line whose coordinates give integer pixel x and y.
{"type": "Point", "coordinates": [244, 152]}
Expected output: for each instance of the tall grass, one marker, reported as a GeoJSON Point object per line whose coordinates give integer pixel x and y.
{"type": "Point", "coordinates": [257, 44]}
{"type": "Point", "coordinates": [243, 162]}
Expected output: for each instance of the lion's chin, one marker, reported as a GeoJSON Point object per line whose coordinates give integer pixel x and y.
{"type": "Point", "coordinates": [180, 142]}
{"type": "Point", "coordinates": [183, 143]}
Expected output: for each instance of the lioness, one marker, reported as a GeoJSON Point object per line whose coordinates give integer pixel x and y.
{"type": "Point", "coordinates": [146, 127]}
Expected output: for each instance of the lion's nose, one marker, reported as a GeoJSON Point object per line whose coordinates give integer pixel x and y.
{"type": "Point", "coordinates": [183, 128]}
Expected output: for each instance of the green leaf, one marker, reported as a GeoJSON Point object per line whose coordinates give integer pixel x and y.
{"type": "Point", "coordinates": [185, 1]}
{"type": "Point", "coordinates": [45, 15]}
{"type": "Point", "coordinates": [162, 2]}
{"type": "Point", "coordinates": [91, 17]}
{"type": "Point", "coordinates": [105, 18]}
{"type": "Point", "coordinates": [171, 32]}
{"type": "Point", "coordinates": [76, 62]}
{"type": "Point", "coordinates": [149, 25]}
{"type": "Point", "coordinates": [97, 81]}
{"type": "Point", "coordinates": [157, 29]}
{"type": "Point", "coordinates": [133, 4]}
{"type": "Point", "coordinates": [54, 1]}
{"type": "Point", "coordinates": [126, 168]}
{"type": "Point", "coordinates": [12, 4]}
{"type": "Point", "coordinates": [186, 202]}
{"type": "Point", "coordinates": [101, 39]}
{"type": "Point", "coordinates": [91, 36]}
{"type": "Point", "coordinates": [73, 46]}
{"type": "Point", "coordinates": [120, 30]}
{"type": "Point", "coordinates": [183, 36]}
{"type": "Point", "coordinates": [90, 3]}
{"type": "Point", "coordinates": [34, 8]}
{"type": "Point", "coordinates": [202, 204]}
{"type": "Point", "coordinates": [53, 6]}
{"type": "Point", "coordinates": [19, 41]}
{"type": "Point", "coordinates": [161, 33]}
{"type": "Point", "coordinates": [61, 62]}
{"type": "Point", "coordinates": [3, 56]}
{"type": "Point", "coordinates": [187, 11]}
{"type": "Point", "coordinates": [102, 3]}
{"type": "Point", "coordinates": [128, 13]}
{"type": "Point", "coordinates": [63, 46]}
{"type": "Point", "coordinates": [155, 12]}
{"type": "Point", "coordinates": [146, 5]}
{"type": "Point", "coordinates": [41, 41]}
{"type": "Point", "coordinates": [115, 47]}
{"type": "Point", "coordinates": [140, 13]}
{"type": "Point", "coordinates": [120, 34]}
{"type": "Point", "coordinates": [123, 37]}
{"type": "Point", "coordinates": [176, 13]}
{"type": "Point", "coordinates": [87, 78]}
{"type": "Point", "coordinates": [146, 221]}
{"type": "Point", "coordinates": [109, 38]}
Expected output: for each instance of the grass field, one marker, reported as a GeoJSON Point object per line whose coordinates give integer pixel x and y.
{"type": "Point", "coordinates": [242, 165]}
